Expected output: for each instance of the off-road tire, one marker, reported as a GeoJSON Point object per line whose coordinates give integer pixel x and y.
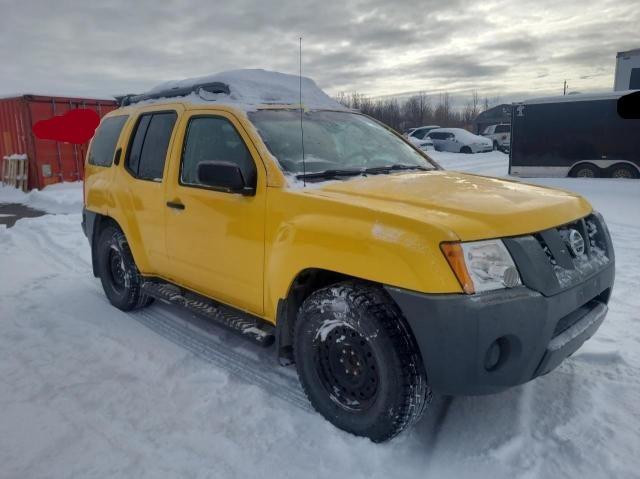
{"type": "Point", "coordinates": [357, 315]}
{"type": "Point", "coordinates": [122, 283]}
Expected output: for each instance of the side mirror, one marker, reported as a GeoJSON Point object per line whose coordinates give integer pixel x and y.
{"type": "Point", "coordinates": [225, 176]}
{"type": "Point", "coordinates": [629, 106]}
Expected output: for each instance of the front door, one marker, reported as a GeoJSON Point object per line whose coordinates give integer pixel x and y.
{"type": "Point", "coordinates": [215, 239]}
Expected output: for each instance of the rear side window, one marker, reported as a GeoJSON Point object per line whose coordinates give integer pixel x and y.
{"type": "Point", "coordinates": [212, 138]}
{"type": "Point", "coordinates": [148, 149]}
{"type": "Point", "coordinates": [104, 142]}
{"type": "Point", "coordinates": [503, 129]}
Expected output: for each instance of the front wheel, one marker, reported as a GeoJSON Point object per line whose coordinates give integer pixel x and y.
{"type": "Point", "coordinates": [118, 273]}
{"type": "Point", "coordinates": [466, 150]}
{"type": "Point", "coordinates": [358, 362]}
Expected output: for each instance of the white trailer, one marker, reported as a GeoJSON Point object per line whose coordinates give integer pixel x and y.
{"type": "Point", "coordinates": [627, 71]}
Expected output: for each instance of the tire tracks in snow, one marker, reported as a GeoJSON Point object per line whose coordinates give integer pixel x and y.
{"type": "Point", "coordinates": [261, 370]}
{"type": "Point", "coordinates": [53, 251]}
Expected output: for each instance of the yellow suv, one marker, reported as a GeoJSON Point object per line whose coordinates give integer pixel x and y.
{"type": "Point", "coordinates": [380, 275]}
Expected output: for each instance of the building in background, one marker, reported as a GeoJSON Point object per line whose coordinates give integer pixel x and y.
{"type": "Point", "coordinates": [48, 161]}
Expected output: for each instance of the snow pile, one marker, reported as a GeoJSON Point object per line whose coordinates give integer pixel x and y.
{"type": "Point", "coordinates": [60, 198]}
{"type": "Point", "coordinates": [252, 88]}
{"type": "Point", "coordinates": [16, 156]}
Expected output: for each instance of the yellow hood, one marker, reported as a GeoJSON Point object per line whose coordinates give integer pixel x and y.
{"type": "Point", "coordinates": [470, 206]}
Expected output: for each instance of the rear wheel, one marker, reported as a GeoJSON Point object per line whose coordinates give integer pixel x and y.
{"type": "Point", "coordinates": [496, 146]}
{"type": "Point", "coordinates": [465, 149]}
{"type": "Point", "coordinates": [358, 362]}
{"type": "Point", "coordinates": [118, 273]}
{"type": "Point", "coordinates": [623, 171]}
{"type": "Point", "coordinates": [586, 170]}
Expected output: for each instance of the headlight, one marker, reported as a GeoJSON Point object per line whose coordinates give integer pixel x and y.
{"type": "Point", "coordinates": [482, 265]}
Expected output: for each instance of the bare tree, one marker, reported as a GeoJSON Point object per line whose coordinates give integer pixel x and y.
{"type": "Point", "coordinates": [416, 111]}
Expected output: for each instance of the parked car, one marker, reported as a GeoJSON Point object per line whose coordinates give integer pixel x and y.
{"type": "Point", "coordinates": [426, 145]}
{"type": "Point", "coordinates": [420, 133]}
{"type": "Point", "coordinates": [500, 135]}
{"type": "Point", "coordinates": [379, 275]}
{"type": "Point", "coordinates": [458, 140]}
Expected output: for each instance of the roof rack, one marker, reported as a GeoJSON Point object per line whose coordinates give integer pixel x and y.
{"type": "Point", "coordinates": [212, 87]}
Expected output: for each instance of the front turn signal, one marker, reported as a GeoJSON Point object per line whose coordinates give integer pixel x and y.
{"type": "Point", "coordinates": [455, 257]}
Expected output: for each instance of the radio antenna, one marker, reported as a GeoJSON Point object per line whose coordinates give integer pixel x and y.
{"type": "Point", "coordinates": [304, 169]}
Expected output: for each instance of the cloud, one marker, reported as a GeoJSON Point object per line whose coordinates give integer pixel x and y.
{"type": "Point", "coordinates": [375, 47]}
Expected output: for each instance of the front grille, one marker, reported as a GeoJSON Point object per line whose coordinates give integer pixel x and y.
{"type": "Point", "coordinates": [570, 263]}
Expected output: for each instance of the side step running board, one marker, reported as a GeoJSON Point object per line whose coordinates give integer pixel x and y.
{"type": "Point", "coordinates": [249, 326]}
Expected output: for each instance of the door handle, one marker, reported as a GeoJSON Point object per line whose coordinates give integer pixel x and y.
{"type": "Point", "coordinates": [176, 205]}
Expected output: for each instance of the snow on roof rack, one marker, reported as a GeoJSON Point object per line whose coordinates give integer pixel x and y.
{"type": "Point", "coordinates": [211, 87]}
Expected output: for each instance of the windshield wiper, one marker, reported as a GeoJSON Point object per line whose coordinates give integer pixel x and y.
{"type": "Point", "coordinates": [331, 173]}
{"type": "Point", "coordinates": [388, 169]}
{"type": "Point", "coordinates": [334, 173]}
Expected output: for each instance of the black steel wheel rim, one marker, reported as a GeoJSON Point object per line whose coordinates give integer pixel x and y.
{"type": "Point", "coordinates": [347, 368]}
{"type": "Point", "coordinates": [116, 269]}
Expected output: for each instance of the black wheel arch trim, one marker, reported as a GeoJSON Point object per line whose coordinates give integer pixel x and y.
{"type": "Point", "coordinates": [92, 224]}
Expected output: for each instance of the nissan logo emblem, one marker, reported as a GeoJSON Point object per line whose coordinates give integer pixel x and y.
{"type": "Point", "coordinates": [575, 241]}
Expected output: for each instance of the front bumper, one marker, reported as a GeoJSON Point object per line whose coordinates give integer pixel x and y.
{"type": "Point", "coordinates": [487, 342]}
{"type": "Point", "coordinates": [533, 333]}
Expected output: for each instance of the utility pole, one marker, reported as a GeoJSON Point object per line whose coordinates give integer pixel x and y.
{"type": "Point", "coordinates": [565, 87]}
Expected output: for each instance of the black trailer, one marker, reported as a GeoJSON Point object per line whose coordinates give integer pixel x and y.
{"type": "Point", "coordinates": [574, 135]}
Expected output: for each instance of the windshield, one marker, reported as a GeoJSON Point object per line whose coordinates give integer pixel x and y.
{"type": "Point", "coordinates": [332, 141]}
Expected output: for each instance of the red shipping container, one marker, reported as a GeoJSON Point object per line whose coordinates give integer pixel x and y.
{"type": "Point", "coordinates": [49, 161]}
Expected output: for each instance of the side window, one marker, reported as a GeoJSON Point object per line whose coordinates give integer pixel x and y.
{"type": "Point", "coordinates": [148, 149]}
{"type": "Point", "coordinates": [634, 80]}
{"type": "Point", "coordinates": [212, 138]}
{"type": "Point", "coordinates": [420, 134]}
{"type": "Point", "coordinates": [503, 129]}
{"type": "Point", "coordinates": [104, 142]}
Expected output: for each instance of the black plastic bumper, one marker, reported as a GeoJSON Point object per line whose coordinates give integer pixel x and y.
{"type": "Point", "coordinates": [485, 343]}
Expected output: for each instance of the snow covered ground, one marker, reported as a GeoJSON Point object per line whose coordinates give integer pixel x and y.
{"type": "Point", "coordinates": [89, 391]}
{"type": "Point", "coordinates": [58, 198]}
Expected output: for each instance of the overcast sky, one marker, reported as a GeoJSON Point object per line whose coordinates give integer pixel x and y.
{"type": "Point", "coordinates": [501, 48]}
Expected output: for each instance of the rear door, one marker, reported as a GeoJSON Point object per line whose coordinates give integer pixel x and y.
{"type": "Point", "coordinates": [142, 181]}
{"type": "Point", "coordinates": [215, 239]}
{"type": "Point", "coordinates": [436, 137]}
